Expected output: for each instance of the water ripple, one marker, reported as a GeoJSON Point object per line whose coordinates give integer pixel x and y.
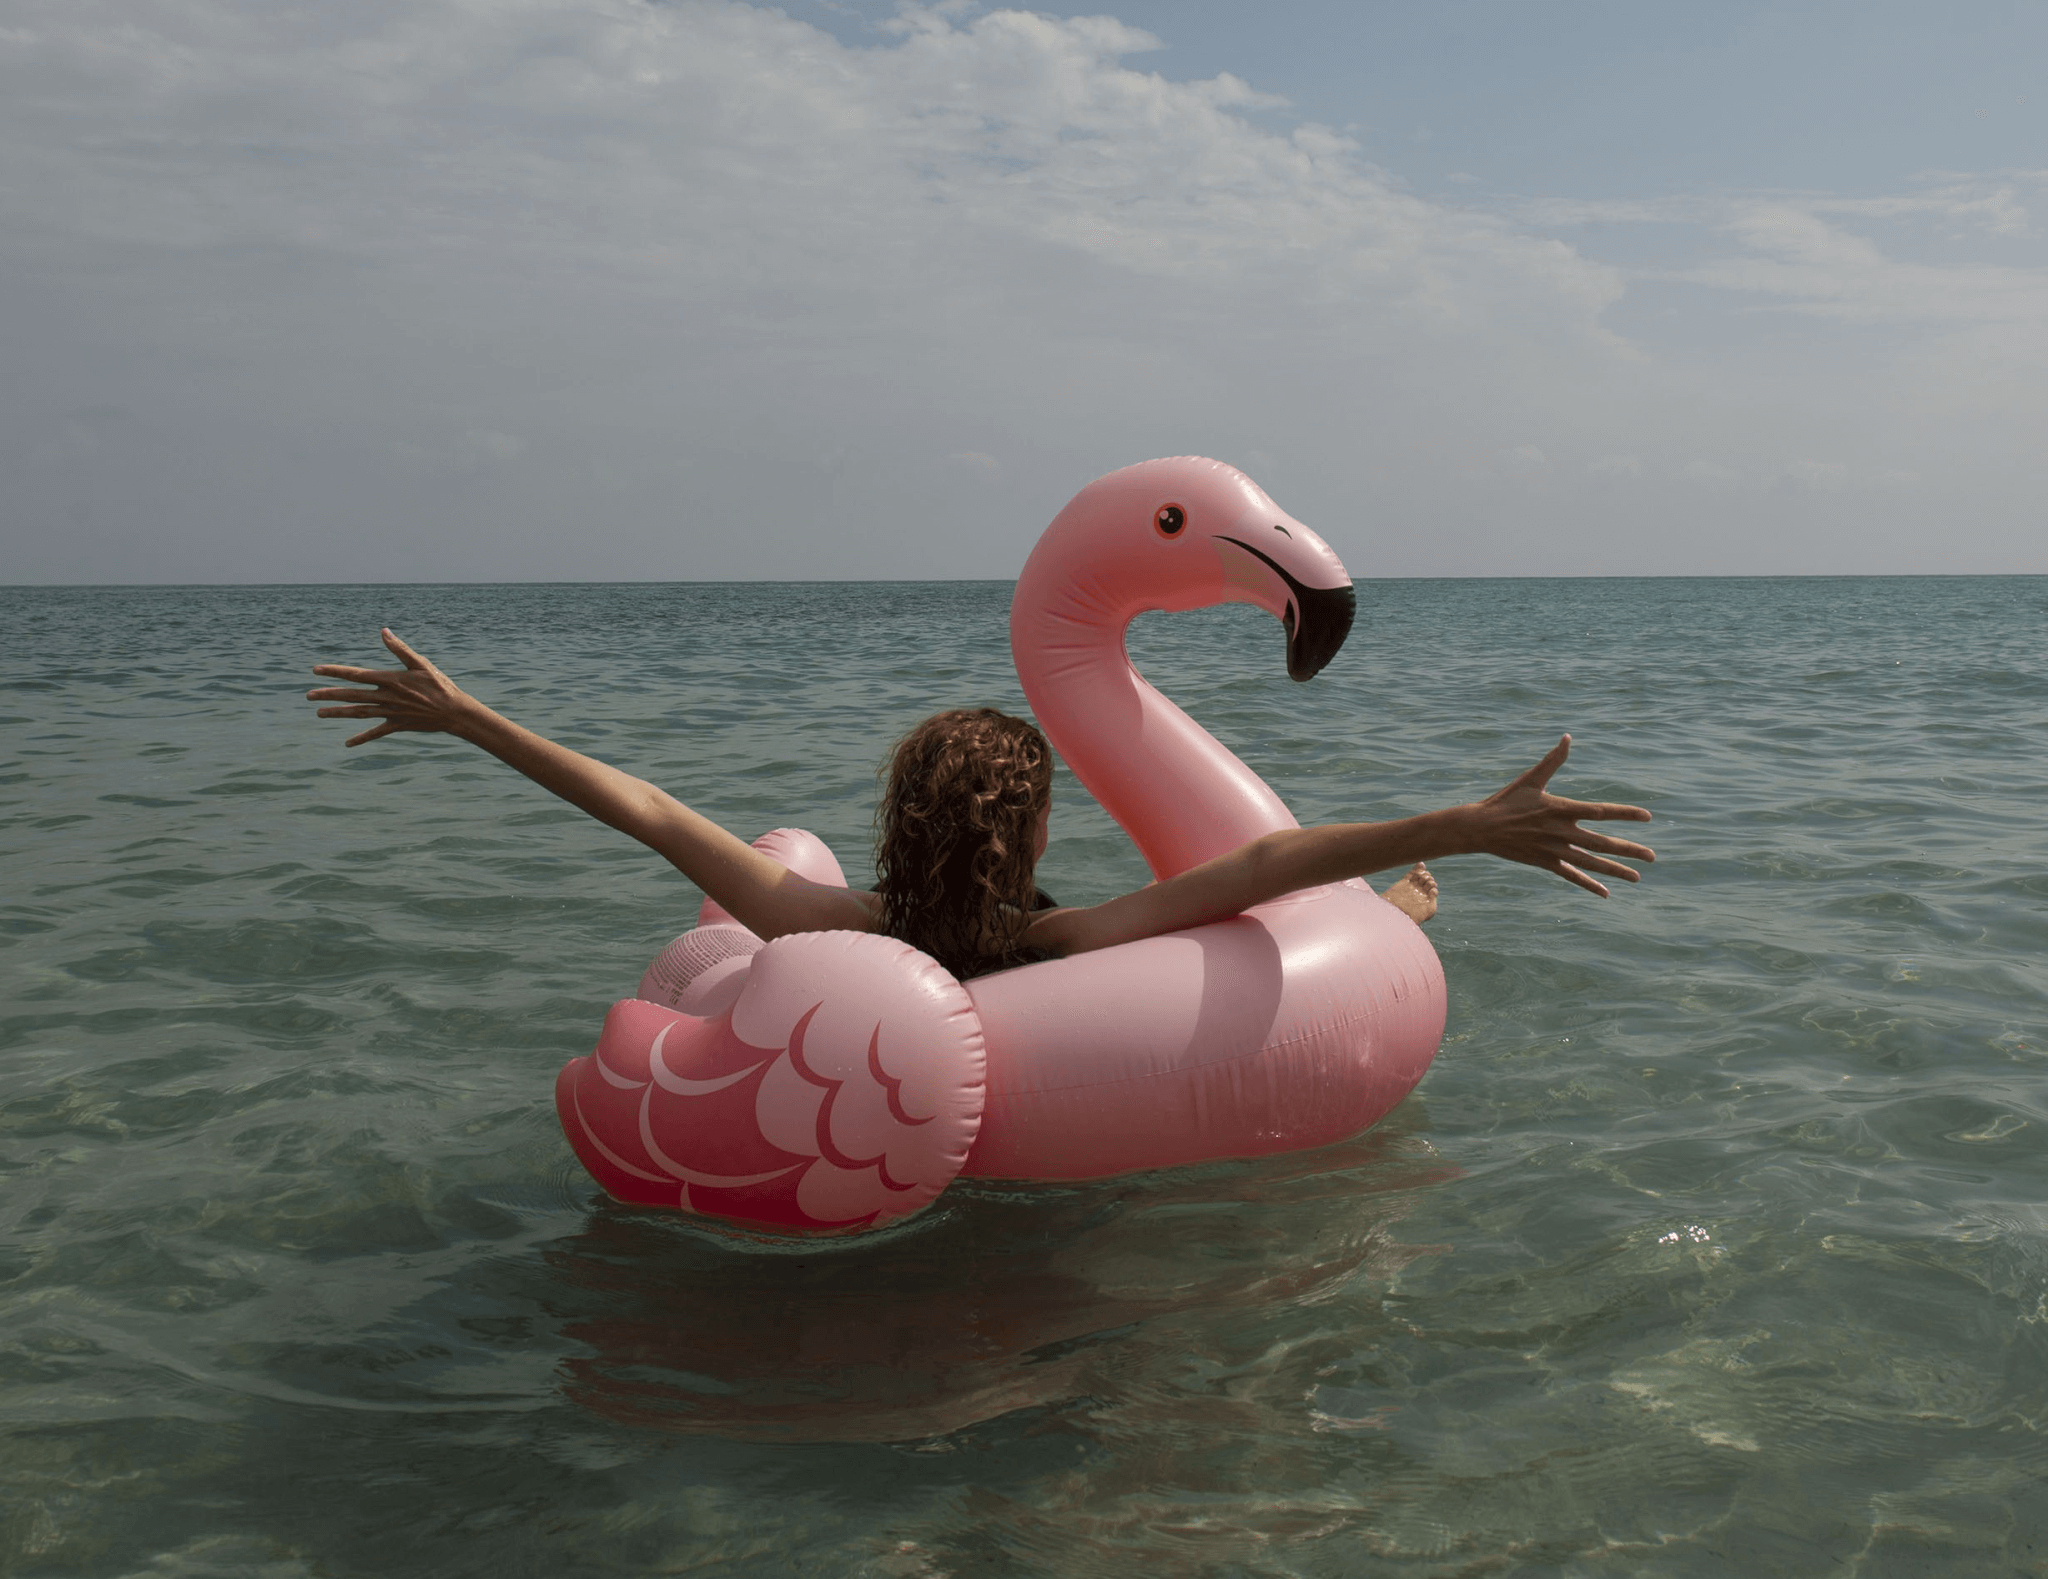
{"type": "Point", "coordinates": [1716, 1241]}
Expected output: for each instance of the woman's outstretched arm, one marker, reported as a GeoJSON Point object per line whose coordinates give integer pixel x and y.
{"type": "Point", "coordinates": [1522, 822]}
{"type": "Point", "coordinates": [760, 893]}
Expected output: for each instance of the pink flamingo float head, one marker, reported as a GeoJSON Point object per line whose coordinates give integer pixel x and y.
{"type": "Point", "coordinates": [1188, 533]}
{"type": "Point", "coordinates": [1176, 534]}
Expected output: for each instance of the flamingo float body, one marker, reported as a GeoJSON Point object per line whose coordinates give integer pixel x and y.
{"type": "Point", "coordinates": [840, 1080]}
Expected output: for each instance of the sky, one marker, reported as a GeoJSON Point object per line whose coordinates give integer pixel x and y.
{"type": "Point", "coordinates": [485, 290]}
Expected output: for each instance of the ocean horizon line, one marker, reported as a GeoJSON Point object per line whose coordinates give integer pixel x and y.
{"type": "Point", "coordinates": [956, 581]}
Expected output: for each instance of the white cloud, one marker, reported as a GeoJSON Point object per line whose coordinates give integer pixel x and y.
{"type": "Point", "coordinates": [586, 287]}
{"type": "Point", "coordinates": [1820, 476]}
{"type": "Point", "coordinates": [1800, 250]}
{"type": "Point", "coordinates": [701, 238]}
{"type": "Point", "coordinates": [977, 464]}
{"type": "Point", "coordinates": [1709, 474]}
{"type": "Point", "coordinates": [1524, 463]}
{"type": "Point", "coordinates": [493, 446]}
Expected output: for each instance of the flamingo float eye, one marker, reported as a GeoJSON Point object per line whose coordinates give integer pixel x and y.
{"type": "Point", "coordinates": [1170, 519]}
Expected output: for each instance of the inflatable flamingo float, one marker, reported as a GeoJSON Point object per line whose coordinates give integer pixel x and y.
{"type": "Point", "coordinates": [838, 1081]}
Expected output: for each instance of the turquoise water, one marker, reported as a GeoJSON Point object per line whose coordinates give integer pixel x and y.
{"type": "Point", "coordinates": [1716, 1241]}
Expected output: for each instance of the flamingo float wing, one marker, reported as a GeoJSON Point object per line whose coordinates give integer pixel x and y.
{"type": "Point", "coordinates": [842, 1088]}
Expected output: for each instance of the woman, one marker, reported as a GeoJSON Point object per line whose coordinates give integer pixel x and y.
{"type": "Point", "coordinates": [963, 823]}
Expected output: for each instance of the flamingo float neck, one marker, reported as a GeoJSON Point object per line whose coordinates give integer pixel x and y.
{"type": "Point", "coordinates": [1115, 552]}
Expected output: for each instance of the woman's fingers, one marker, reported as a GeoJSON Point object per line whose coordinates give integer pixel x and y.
{"type": "Point", "coordinates": [412, 698]}
{"type": "Point", "coordinates": [1607, 844]}
{"type": "Point", "coordinates": [1599, 810]}
{"type": "Point", "coordinates": [1608, 811]}
{"type": "Point", "coordinates": [403, 653]}
{"type": "Point", "coordinates": [1572, 874]}
{"type": "Point", "coordinates": [1553, 759]}
{"type": "Point", "coordinates": [414, 664]}
{"type": "Point", "coordinates": [1542, 829]}
{"type": "Point", "coordinates": [1599, 863]}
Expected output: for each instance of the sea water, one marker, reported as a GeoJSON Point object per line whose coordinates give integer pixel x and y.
{"type": "Point", "coordinates": [1715, 1241]}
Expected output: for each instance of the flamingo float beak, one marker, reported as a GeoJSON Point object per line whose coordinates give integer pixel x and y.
{"type": "Point", "coordinates": [1317, 618]}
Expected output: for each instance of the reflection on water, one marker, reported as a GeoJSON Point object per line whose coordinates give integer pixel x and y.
{"type": "Point", "coordinates": [1006, 1299]}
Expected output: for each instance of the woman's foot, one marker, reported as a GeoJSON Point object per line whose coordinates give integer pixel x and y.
{"type": "Point", "coordinates": [1414, 895]}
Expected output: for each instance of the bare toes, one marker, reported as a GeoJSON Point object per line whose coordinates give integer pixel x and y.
{"type": "Point", "coordinates": [1414, 895]}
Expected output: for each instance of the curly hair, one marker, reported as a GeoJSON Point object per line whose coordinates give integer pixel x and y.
{"type": "Point", "coordinates": [956, 832]}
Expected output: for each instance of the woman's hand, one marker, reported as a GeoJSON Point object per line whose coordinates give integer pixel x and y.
{"type": "Point", "coordinates": [1524, 822]}
{"type": "Point", "coordinates": [759, 891]}
{"type": "Point", "coordinates": [417, 697]}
